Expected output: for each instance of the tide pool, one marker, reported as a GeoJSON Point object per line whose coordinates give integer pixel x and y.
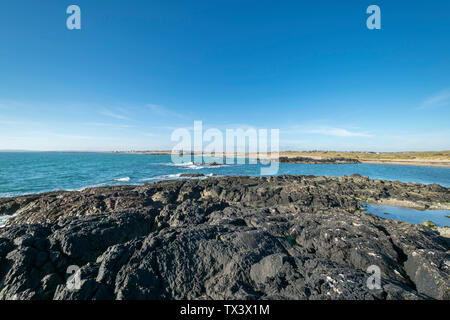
{"type": "Point", "coordinates": [410, 215]}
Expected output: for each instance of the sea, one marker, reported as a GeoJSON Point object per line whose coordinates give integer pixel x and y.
{"type": "Point", "coordinates": [35, 172]}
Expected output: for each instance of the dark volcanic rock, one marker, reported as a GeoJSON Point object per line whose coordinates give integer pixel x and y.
{"type": "Point", "coordinates": [430, 272]}
{"type": "Point", "coordinates": [191, 175]}
{"type": "Point", "coordinates": [280, 237]}
{"type": "Point", "coordinates": [214, 164]}
{"type": "Point", "coordinates": [317, 161]}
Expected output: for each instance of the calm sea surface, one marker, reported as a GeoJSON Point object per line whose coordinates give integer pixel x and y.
{"type": "Point", "coordinates": [33, 172]}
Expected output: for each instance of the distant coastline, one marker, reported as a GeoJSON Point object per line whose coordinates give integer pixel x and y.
{"type": "Point", "coordinates": [414, 158]}
{"type": "Point", "coordinates": [418, 158]}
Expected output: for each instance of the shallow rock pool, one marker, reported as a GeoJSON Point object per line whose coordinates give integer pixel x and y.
{"type": "Point", "coordinates": [439, 217]}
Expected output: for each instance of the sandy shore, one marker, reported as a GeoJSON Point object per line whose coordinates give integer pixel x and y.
{"type": "Point", "coordinates": [415, 162]}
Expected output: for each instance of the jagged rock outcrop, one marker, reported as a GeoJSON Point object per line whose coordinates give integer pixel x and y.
{"type": "Point", "coordinates": [191, 175]}
{"type": "Point", "coordinates": [285, 237]}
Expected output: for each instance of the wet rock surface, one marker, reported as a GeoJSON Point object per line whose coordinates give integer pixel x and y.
{"type": "Point", "coordinates": [191, 175]}
{"type": "Point", "coordinates": [285, 237]}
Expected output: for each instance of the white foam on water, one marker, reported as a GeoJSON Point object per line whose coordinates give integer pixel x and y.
{"type": "Point", "coordinates": [187, 165]}
{"type": "Point", "coordinates": [11, 194]}
{"type": "Point", "coordinates": [164, 177]}
{"type": "Point", "coordinates": [104, 184]}
{"type": "Point", "coordinates": [196, 166]}
{"type": "Point", "coordinates": [124, 179]}
{"type": "Point", "coordinates": [182, 164]}
{"type": "Point", "coordinates": [3, 220]}
{"type": "Point", "coordinates": [176, 176]}
{"type": "Point", "coordinates": [170, 176]}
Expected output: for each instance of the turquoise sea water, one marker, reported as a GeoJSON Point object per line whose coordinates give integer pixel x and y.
{"type": "Point", "coordinates": [34, 172]}
{"type": "Point", "coordinates": [439, 217]}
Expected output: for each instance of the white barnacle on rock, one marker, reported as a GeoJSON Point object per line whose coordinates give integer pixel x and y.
{"type": "Point", "coordinates": [447, 263]}
{"type": "Point", "coordinates": [373, 254]}
{"type": "Point", "coordinates": [337, 290]}
{"type": "Point", "coordinates": [331, 281]}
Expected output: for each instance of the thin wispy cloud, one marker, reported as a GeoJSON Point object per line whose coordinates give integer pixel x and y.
{"type": "Point", "coordinates": [75, 137]}
{"type": "Point", "coordinates": [163, 111]}
{"type": "Point", "coordinates": [326, 130]}
{"type": "Point", "coordinates": [114, 115]}
{"type": "Point", "coordinates": [337, 132]}
{"type": "Point", "coordinates": [122, 110]}
{"type": "Point", "coordinates": [441, 99]}
{"type": "Point", "coordinates": [103, 124]}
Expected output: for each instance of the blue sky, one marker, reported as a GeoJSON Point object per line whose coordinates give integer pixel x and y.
{"type": "Point", "coordinates": [137, 70]}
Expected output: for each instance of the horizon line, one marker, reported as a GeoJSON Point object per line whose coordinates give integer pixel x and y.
{"type": "Point", "coordinates": [167, 151]}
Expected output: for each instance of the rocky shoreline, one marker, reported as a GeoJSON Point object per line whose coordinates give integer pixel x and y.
{"type": "Point", "coordinates": [306, 160]}
{"type": "Point", "coordinates": [283, 237]}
